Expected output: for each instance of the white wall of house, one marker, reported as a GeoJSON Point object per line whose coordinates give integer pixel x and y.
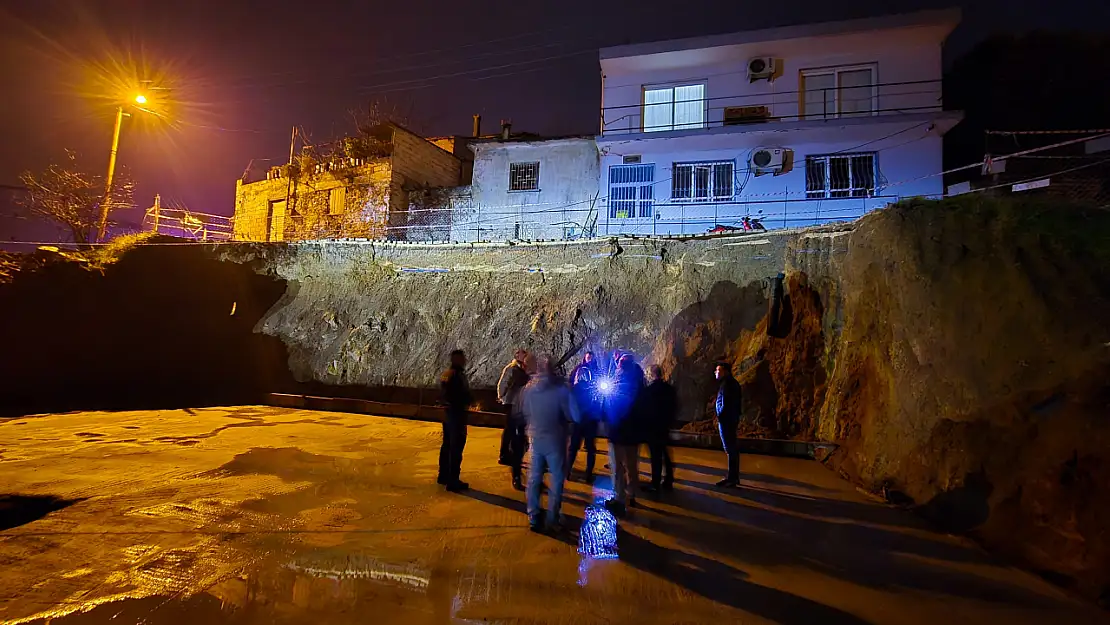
{"type": "Point", "coordinates": [902, 152]}
{"type": "Point", "coordinates": [895, 127]}
{"type": "Point", "coordinates": [560, 204]}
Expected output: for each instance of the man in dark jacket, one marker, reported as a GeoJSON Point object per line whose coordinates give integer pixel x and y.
{"type": "Point", "coordinates": [659, 404]}
{"type": "Point", "coordinates": [584, 382]}
{"type": "Point", "coordinates": [623, 427]}
{"type": "Point", "coordinates": [457, 399]}
{"type": "Point", "coordinates": [728, 419]}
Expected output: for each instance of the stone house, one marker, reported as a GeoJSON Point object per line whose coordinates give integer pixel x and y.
{"type": "Point", "coordinates": [528, 187]}
{"type": "Point", "coordinates": [357, 188]}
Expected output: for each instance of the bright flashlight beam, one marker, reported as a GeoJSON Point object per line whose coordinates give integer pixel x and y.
{"type": "Point", "coordinates": [605, 386]}
{"type": "Point", "coordinates": [141, 99]}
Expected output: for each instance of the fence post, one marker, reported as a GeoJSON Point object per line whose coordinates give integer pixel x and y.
{"type": "Point", "coordinates": [478, 224]}
{"type": "Point", "coordinates": [157, 210]}
{"type": "Point", "coordinates": [785, 205]}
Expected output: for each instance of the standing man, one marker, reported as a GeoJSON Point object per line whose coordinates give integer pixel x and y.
{"type": "Point", "coordinates": [659, 402]}
{"type": "Point", "coordinates": [584, 380]}
{"type": "Point", "coordinates": [513, 378]}
{"type": "Point", "coordinates": [457, 399]}
{"type": "Point", "coordinates": [548, 409]}
{"type": "Point", "coordinates": [728, 419]}
{"type": "Point", "coordinates": [625, 433]}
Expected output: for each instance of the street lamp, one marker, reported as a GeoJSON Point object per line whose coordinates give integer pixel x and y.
{"type": "Point", "coordinates": [105, 206]}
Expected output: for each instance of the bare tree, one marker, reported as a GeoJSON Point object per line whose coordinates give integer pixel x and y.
{"type": "Point", "coordinates": [71, 198]}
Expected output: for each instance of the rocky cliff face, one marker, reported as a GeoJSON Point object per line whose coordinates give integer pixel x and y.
{"type": "Point", "coordinates": [971, 375]}
{"type": "Point", "coordinates": [387, 315]}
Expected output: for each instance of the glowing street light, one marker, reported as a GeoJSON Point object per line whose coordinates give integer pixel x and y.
{"type": "Point", "coordinates": [105, 206]}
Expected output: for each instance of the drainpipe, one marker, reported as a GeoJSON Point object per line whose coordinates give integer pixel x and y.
{"type": "Point", "coordinates": [477, 125]}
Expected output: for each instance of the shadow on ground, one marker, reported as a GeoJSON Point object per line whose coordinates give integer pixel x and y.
{"type": "Point", "coordinates": [16, 510]}
{"type": "Point", "coordinates": [704, 576]}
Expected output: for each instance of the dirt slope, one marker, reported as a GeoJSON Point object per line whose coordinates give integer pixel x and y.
{"type": "Point", "coordinates": [972, 374]}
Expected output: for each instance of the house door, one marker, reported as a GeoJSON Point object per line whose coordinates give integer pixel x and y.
{"type": "Point", "coordinates": [276, 230]}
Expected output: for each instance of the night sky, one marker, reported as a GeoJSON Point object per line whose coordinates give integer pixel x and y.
{"type": "Point", "coordinates": [241, 73]}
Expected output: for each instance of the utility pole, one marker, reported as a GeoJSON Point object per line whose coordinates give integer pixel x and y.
{"type": "Point", "coordinates": [105, 206]}
{"type": "Point", "coordinates": [288, 191]}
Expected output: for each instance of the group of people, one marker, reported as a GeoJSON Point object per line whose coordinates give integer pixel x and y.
{"type": "Point", "coordinates": [555, 417]}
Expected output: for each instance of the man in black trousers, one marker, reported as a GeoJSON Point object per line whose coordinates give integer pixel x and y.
{"type": "Point", "coordinates": [457, 399]}
{"type": "Point", "coordinates": [659, 403]}
{"type": "Point", "coordinates": [514, 440]}
{"type": "Point", "coordinates": [728, 419]}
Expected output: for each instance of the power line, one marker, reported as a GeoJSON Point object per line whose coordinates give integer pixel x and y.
{"type": "Point", "coordinates": [453, 49]}
{"type": "Point", "coordinates": [1043, 176]}
{"type": "Point", "coordinates": [1048, 132]}
{"type": "Point", "coordinates": [554, 57]}
{"type": "Point", "coordinates": [456, 60]}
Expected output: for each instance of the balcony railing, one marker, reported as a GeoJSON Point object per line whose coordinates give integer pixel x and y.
{"type": "Point", "coordinates": [748, 111]}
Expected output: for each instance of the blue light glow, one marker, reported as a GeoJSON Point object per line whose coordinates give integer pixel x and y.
{"type": "Point", "coordinates": [598, 536]}
{"type": "Point", "coordinates": [605, 386]}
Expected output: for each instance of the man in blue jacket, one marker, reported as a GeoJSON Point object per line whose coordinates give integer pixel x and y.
{"type": "Point", "coordinates": [728, 419]}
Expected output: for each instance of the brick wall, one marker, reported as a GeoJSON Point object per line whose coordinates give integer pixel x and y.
{"type": "Point", "coordinates": [309, 214]}
{"type": "Point", "coordinates": [376, 195]}
{"type": "Point", "coordinates": [416, 162]}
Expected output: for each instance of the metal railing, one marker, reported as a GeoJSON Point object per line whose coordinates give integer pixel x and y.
{"type": "Point", "coordinates": [569, 221]}
{"type": "Point", "coordinates": [188, 224]}
{"type": "Point", "coordinates": [746, 111]}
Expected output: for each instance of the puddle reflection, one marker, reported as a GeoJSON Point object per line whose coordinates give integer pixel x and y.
{"type": "Point", "coordinates": [310, 587]}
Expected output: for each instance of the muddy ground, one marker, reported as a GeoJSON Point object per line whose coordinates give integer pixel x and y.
{"type": "Point", "coordinates": [267, 515]}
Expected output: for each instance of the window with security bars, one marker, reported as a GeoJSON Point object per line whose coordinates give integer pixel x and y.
{"type": "Point", "coordinates": [524, 176]}
{"type": "Point", "coordinates": [631, 191]}
{"type": "Point", "coordinates": [840, 175]}
{"type": "Point", "coordinates": [704, 182]}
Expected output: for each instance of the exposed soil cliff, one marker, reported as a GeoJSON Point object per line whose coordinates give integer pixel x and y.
{"type": "Point", "coordinates": [973, 374]}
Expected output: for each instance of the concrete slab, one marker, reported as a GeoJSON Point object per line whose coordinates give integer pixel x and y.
{"type": "Point", "coordinates": [277, 515]}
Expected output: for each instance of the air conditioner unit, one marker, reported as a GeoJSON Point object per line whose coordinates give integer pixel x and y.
{"type": "Point", "coordinates": [761, 68]}
{"type": "Point", "coordinates": [735, 115]}
{"type": "Point", "coordinates": [775, 161]}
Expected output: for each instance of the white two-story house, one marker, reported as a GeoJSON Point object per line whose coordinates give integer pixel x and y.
{"type": "Point", "coordinates": [796, 126]}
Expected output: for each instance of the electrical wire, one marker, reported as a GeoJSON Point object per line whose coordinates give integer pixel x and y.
{"type": "Point", "coordinates": [455, 60]}
{"type": "Point", "coordinates": [1042, 176]}
{"type": "Point", "coordinates": [373, 88]}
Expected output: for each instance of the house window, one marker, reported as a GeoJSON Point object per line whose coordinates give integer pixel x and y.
{"type": "Point", "coordinates": [840, 175]}
{"type": "Point", "coordinates": [839, 92]}
{"type": "Point", "coordinates": [631, 191]}
{"type": "Point", "coordinates": [706, 182]}
{"type": "Point", "coordinates": [524, 176]}
{"type": "Point", "coordinates": [674, 108]}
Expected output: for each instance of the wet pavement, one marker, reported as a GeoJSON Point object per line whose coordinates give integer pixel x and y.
{"type": "Point", "coordinates": [270, 515]}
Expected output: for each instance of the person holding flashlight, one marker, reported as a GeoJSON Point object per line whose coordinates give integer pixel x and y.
{"type": "Point", "coordinates": [585, 381]}
{"type": "Point", "coordinates": [625, 434]}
